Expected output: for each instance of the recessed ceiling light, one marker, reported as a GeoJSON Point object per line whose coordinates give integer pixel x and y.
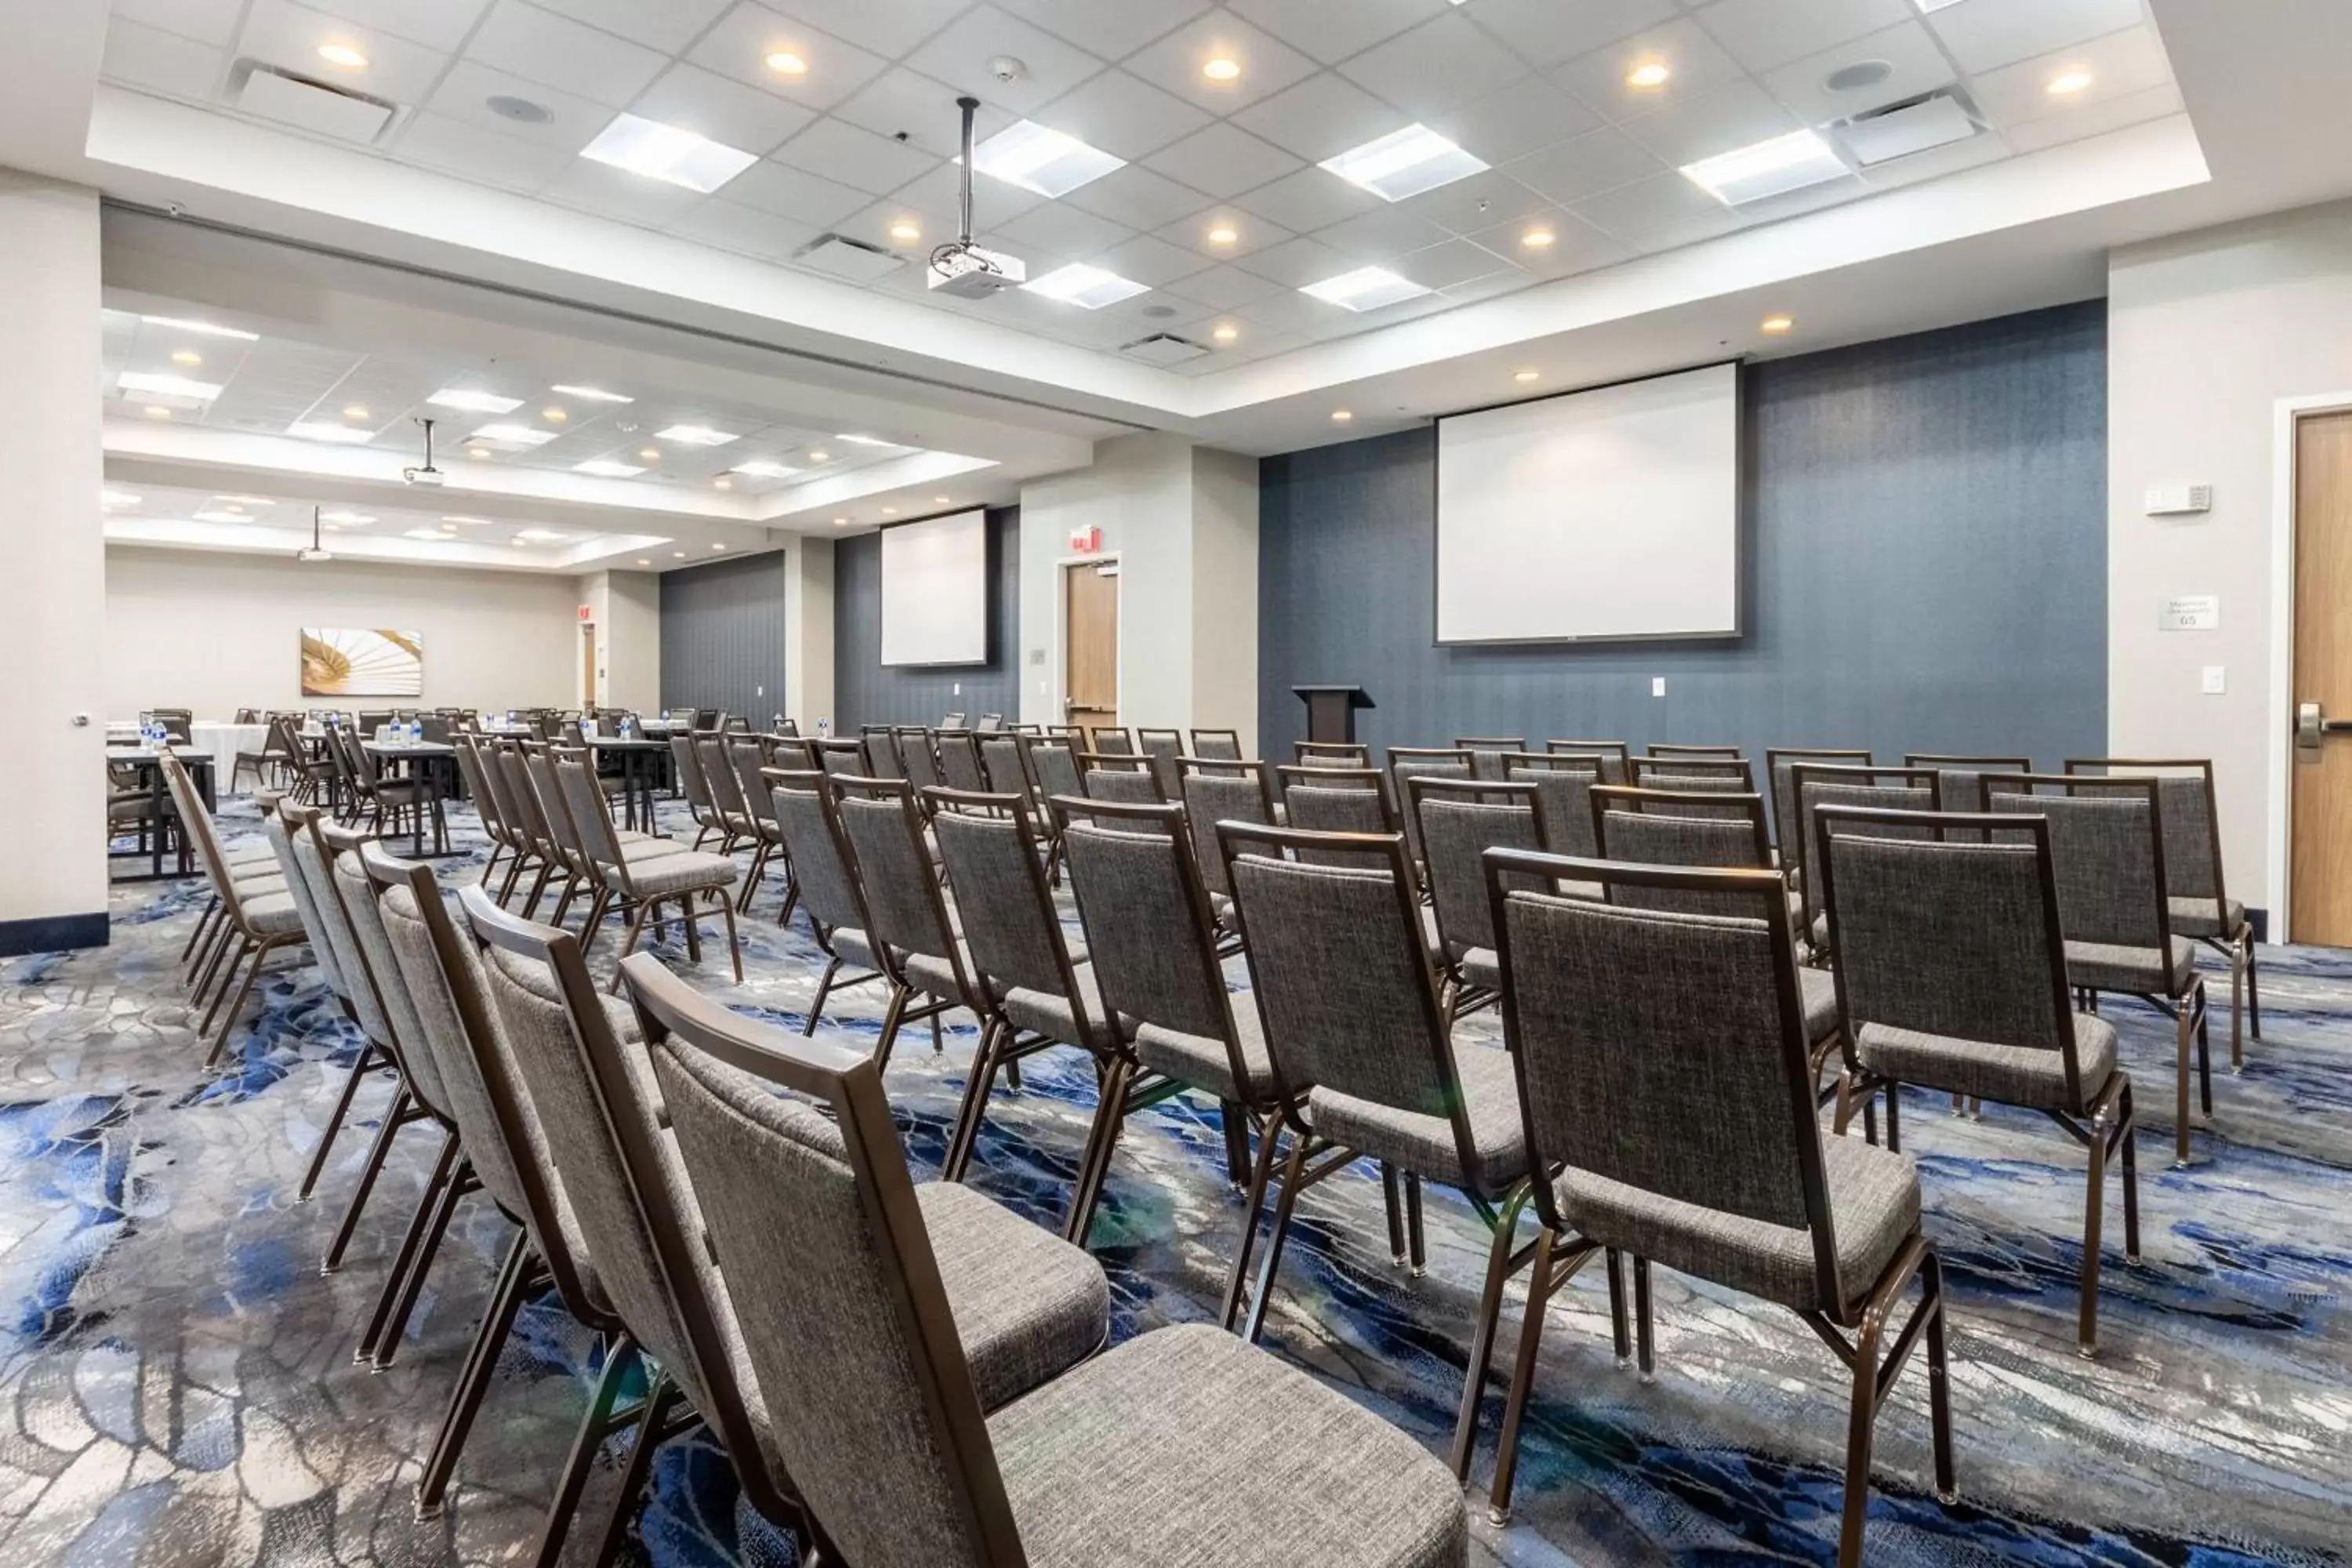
{"type": "Point", "coordinates": [554, 416]}
{"type": "Point", "coordinates": [1365, 289]}
{"type": "Point", "coordinates": [1766, 169]}
{"type": "Point", "coordinates": [716, 546]}
{"type": "Point", "coordinates": [355, 411]}
{"type": "Point", "coordinates": [1538, 239]}
{"type": "Point", "coordinates": [543, 535]}
{"type": "Point", "coordinates": [679, 554]}
{"type": "Point", "coordinates": [889, 511]}
{"type": "Point", "coordinates": [342, 54]}
{"type": "Point", "coordinates": [1221, 69]}
{"type": "Point", "coordinates": [942, 500]}
{"type": "Point", "coordinates": [840, 522]}
{"type": "Point", "coordinates": [817, 457]}
{"type": "Point", "coordinates": [783, 62]}
{"type": "Point", "coordinates": [1227, 332]}
{"type": "Point", "coordinates": [763, 469]}
{"type": "Point", "coordinates": [694, 435]}
{"type": "Point", "coordinates": [473, 401]}
{"type": "Point", "coordinates": [1404, 163]}
{"type": "Point", "coordinates": [188, 358]}
{"type": "Point", "coordinates": [428, 533]}
{"type": "Point", "coordinates": [215, 514]}
{"type": "Point", "coordinates": [116, 498]}
{"type": "Point", "coordinates": [644, 561]}
{"type": "Point", "coordinates": [2067, 83]}
{"type": "Point", "coordinates": [668, 152]}
{"type": "Point", "coordinates": [470, 522]}
{"type": "Point", "coordinates": [605, 469]}
{"type": "Point", "coordinates": [155, 412]}
{"type": "Point", "coordinates": [479, 453]}
{"type": "Point", "coordinates": [1341, 415]}
{"type": "Point", "coordinates": [328, 430]}
{"type": "Point", "coordinates": [1223, 234]}
{"type": "Point", "coordinates": [209, 329]}
{"type": "Point", "coordinates": [247, 501]}
{"type": "Point", "coordinates": [1039, 159]}
{"type": "Point", "coordinates": [1089, 288]}
{"type": "Point", "coordinates": [905, 232]}
{"type": "Point", "coordinates": [167, 385]}
{"type": "Point", "coordinates": [513, 434]}
{"type": "Point", "coordinates": [722, 482]}
{"type": "Point", "coordinates": [348, 519]}
{"type": "Point", "coordinates": [591, 394]}
{"type": "Point", "coordinates": [1526, 375]}
{"type": "Point", "coordinates": [1776, 325]}
{"type": "Point", "coordinates": [1647, 74]}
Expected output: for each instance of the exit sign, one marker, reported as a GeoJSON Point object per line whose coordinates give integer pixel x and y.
{"type": "Point", "coordinates": [1085, 540]}
{"type": "Point", "coordinates": [587, 612]}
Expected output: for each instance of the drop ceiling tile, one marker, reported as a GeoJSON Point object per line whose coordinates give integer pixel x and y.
{"type": "Point", "coordinates": [1915, 65]}
{"type": "Point", "coordinates": [1984, 34]}
{"type": "Point", "coordinates": [1295, 263]}
{"type": "Point", "coordinates": [1320, 118]}
{"type": "Point", "coordinates": [2118, 65]}
{"type": "Point", "coordinates": [959, 55]}
{"type": "Point", "coordinates": [289, 36]}
{"type": "Point", "coordinates": [889, 27]}
{"type": "Point", "coordinates": [1985, 147]}
{"type": "Point", "coordinates": [1697, 62]}
{"type": "Point", "coordinates": [1251, 233]}
{"type": "Point", "coordinates": [206, 21]}
{"type": "Point", "coordinates": [161, 61]}
{"type": "Point", "coordinates": [465, 94]}
{"type": "Point", "coordinates": [543, 47]}
{"type": "Point", "coordinates": [1151, 261]}
{"type": "Point", "coordinates": [1222, 160]}
{"type": "Point", "coordinates": [1224, 288]}
{"type": "Point", "coordinates": [1439, 66]}
{"type": "Point", "coordinates": [458, 147]}
{"type": "Point", "coordinates": [613, 193]}
{"type": "Point", "coordinates": [1066, 230]}
{"type": "Point", "coordinates": [900, 100]}
{"type": "Point", "coordinates": [1762, 33]}
{"type": "Point", "coordinates": [872, 224]}
{"type": "Point", "coordinates": [739, 47]}
{"type": "Point", "coordinates": [1545, 32]}
{"type": "Point", "coordinates": [1123, 115]}
{"type": "Point", "coordinates": [668, 27]}
{"type": "Point", "coordinates": [1308, 200]}
{"type": "Point", "coordinates": [1136, 197]}
{"type": "Point", "coordinates": [1658, 213]}
{"type": "Point", "coordinates": [1445, 264]}
{"type": "Point", "coordinates": [1531, 114]}
{"type": "Point", "coordinates": [1291, 312]}
{"type": "Point", "coordinates": [1723, 121]}
{"type": "Point", "coordinates": [795, 193]}
{"type": "Point", "coordinates": [436, 24]}
{"type": "Point", "coordinates": [1268, 65]}
{"type": "Point", "coordinates": [1378, 236]}
{"type": "Point", "coordinates": [1111, 31]}
{"type": "Point", "coordinates": [734, 227]}
{"type": "Point", "coordinates": [728, 111]}
{"type": "Point", "coordinates": [1330, 32]}
{"type": "Point", "coordinates": [1577, 247]}
{"type": "Point", "coordinates": [841, 151]}
{"type": "Point", "coordinates": [1466, 205]}
{"type": "Point", "coordinates": [1596, 161]}
{"type": "Point", "coordinates": [2096, 119]}
{"type": "Point", "coordinates": [994, 200]}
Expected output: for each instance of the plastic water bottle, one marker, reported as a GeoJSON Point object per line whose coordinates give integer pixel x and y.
{"type": "Point", "coordinates": [824, 729]}
{"type": "Point", "coordinates": [776, 725]}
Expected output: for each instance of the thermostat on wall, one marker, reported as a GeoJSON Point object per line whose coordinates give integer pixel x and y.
{"type": "Point", "coordinates": [2173, 500]}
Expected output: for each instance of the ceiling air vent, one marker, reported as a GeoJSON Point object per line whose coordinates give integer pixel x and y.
{"type": "Point", "coordinates": [1164, 349]}
{"type": "Point", "coordinates": [838, 256]}
{"type": "Point", "coordinates": [1882, 135]}
{"type": "Point", "coordinates": [317, 106]}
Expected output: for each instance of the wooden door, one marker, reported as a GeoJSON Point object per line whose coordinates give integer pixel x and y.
{"type": "Point", "coordinates": [2321, 905]}
{"type": "Point", "coordinates": [1090, 644]}
{"type": "Point", "coordinates": [588, 664]}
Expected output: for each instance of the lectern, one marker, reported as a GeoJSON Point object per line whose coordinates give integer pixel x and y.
{"type": "Point", "coordinates": [1331, 711]}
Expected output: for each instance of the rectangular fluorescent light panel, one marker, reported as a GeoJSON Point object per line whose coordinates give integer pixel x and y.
{"type": "Point", "coordinates": [474, 402]}
{"type": "Point", "coordinates": [428, 533]}
{"type": "Point", "coordinates": [470, 522]}
{"type": "Point", "coordinates": [1038, 158]}
{"type": "Point", "coordinates": [348, 519]}
{"type": "Point", "coordinates": [605, 469]}
{"type": "Point", "coordinates": [328, 430]}
{"type": "Point", "coordinates": [591, 394]}
{"type": "Point", "coordinates": [181, 325]}
{"type": "Point", "coordinates": [212, 515]}
{"type": "Point", "coordinates": [866, 441]}
{"type": "Point", "coordinates": [167, 385]}
{"type": "Point", "coordinates": [1405, 164]}
{"type": "Point", "coordinates": [661, 152]}
{"type": "Point", "coordinates": [1365, 289]}
{"type": "Point", "coordinates": [1770, 168]}
{"type": "Point", "coordinates": [1089, 288]}
{"type": "Point", "coordinates": [1927, 8]}
{"type": "Point", "coordinates": [513, 434]}
{"type": "Point", "coordinates": [543, 536]}
{"type": "Point", "coordinates": [765, 469]}
{"type": "Point", "coordinates": [694, 435]}
{"type": "Point", "coordinates": [116, 498]}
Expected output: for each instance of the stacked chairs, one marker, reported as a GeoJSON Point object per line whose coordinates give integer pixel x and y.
{"type": "Point", "coordinates": [826, 878]}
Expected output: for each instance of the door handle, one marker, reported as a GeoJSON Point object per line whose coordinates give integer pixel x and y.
{"type": "Point", "coordinates": [2312, 727]}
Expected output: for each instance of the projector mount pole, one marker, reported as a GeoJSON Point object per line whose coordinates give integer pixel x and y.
{"type": "Point", "coordinates": [970, 107]}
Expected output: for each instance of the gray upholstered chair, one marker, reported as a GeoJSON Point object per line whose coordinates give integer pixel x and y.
{"type": "Point", "coordinates": [1815, 784]}
{"type": "Point", "coordinates": [748, 758]}
{"type": "Point", "coordinates": [1006, 769]}
{"type": "Point", "coordinates": [1119, 775]}
{"type": "Point", "coordinates": [989, 724]}
{"type": "Point", "coordinates": [959, 754]}
{"type": "Point", "coordinates": [951, 722]}
{"type": "Point", "coordinates": [839, 758]}
{"type": "Point", "coordinates": [917, 764]}
{"type": "Point", "coordinates": [909, 932]}
{"type": "Point", "coordinates": [882, 757]}
{"type": "Point", "coordinates": [1669, 1114]}
{"type": "Point", "coordinates": [1329, 798]}
{"type": "Point", "coordinates": [1695, 752]}
{"type": "Point", "coordinates": [2106, 842]}
{"type": "Point", "coordinates": [1960, 779]}
{"type": "Point", "coordinates": [258, 914]}
{"type": "Point", "coordinates": [1330, 754]}
{"type": "Point", "coordinates": [1152, 949]}
{"type": "Point", "coordinates": [1777, 762]}
{"type": "Point", "coordinates": [1213, 792]}
{"type": "Point", "coordinates": [844, 1287]}
{"type": "Point", "coordinates": [1487, 752]}
{"type": "Point", "coordinates": [579, 846]}
{"type": "Point", "coordinates": [520, 799]}
{"type": "Point", "coordinates": [1563, 782]}
{"type": "Point", "coordinates": [733, 812]}
{"type": "Point", "coordinates": [1110, 742]}
{"type": "Point", "coordinates": [1342, 973]}
{"type": "Point", "coordinates": [1697, 776]}
{"type": "Point", "coordinates": [2199, 896]}
{"type": "Point", "coordinates": [643, 879]}
{"type": "Point", "coordinates": [686, 762]}
{"type": "Point", "coordinates": [1217, 745]}
{"type": "Point", "coordinates": [827, 885]}
{"type": "Point", "coordinates": [506, 842]}
{"type": "Point", "coordinates": [1460, 820]}
{"type": "Point", "coordinates": [1952, 975]}
{"type": "Point", "coordinates": [1163, 747]}
{"type": "Point", "coordinates": [1614, 757]}
{"type": "Point", "coordinates": [1054, 766]}
{"type": "Point", "coordinates": [1426, 761]}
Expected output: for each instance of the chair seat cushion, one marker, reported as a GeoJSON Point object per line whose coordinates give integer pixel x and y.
{"type": "Point", "coordinates": [1422, 1142]}
{"type": "Point", "coordinates": [2198, 917]}
{"type": "Point", "coordinates": [851, 946]}
{"type": "Point", "coordinates": [2139, 971]}
{"type": "Point", "coordinates": [1052, 1017]}
{"type": "Point", "coordinates": [1205, 1064]}
{"type": "Point", "coordinates": [272, 914]}
{"type": "Point", "coordinates": [1820, 989]}
{"type": "Point", "coordinates": [691, 870]}
{"type": "Point", "coordinates": [1873, 1207]}
{"type": "Point", "coordinates": [1137, 1460]}
{"type": "Point", "coordinates": [1481, 967]}
{"type": "Point", "coordinates": [933, 972]}
{"type": "Point", "coordinates": [1028, 1305]}
{"type": "Point", "coordinates": [257, 883]}
{"type": "Point", "coordinates": [2029, 1076]}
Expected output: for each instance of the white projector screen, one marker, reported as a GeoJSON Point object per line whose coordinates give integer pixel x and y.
{"type": "Point", "coordinates": [935, 591]}
{"type": "Point", "coordinates": [1612, 513]}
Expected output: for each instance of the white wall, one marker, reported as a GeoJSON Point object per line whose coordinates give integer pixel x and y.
{"type": "Point", "coordinates": [52, 560]}
{"type": "Point", "coordinates": [1225, 594]}
{"type": "Point", "coordinates": [808, 631]}
{"type": "Point", "coordinates": [626, 606]}
{"type": "Point", "coordinates": [2207, 332]}
{"type": "Point", "coordinates": [216, 632]}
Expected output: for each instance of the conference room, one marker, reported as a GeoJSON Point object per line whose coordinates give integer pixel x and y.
{"type": "Point", "coordinates": [1404, 783]}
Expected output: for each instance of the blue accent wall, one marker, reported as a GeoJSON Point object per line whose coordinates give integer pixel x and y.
{"type": "Point", "coordinates": [722, 637]}
{"type": "Point", "coordinates": [1925, 570]}
{"type": "Point", "coordinates": [865, 691]}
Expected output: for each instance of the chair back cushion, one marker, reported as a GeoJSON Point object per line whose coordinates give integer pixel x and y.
{"type": "Point", "coordinates": [1151, 960]}
{"type": "Point", "coordinates": [2103, 848]}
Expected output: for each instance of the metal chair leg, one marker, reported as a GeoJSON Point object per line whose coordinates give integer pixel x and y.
{"type": "Point", "coordinates": [1481, 1338]}
{"type": "Point", "coordinates": [396, 1116]}
{"type": "Point", "coordinates": [395, 1329]}
{"type": "Point", "coordinates": [406, 1258]}
{"type": "Point", "coordinates": [1269, 1135]}
{"type": "Point", "coordinates": [474, 1381]}
{"type": "Point", "coordinates": [1253, 1327]}
{"type": "Point", "coordinates": [661, 1398]}
{"type": "Point", "coordinates": [1523, 1377]}
{"type": "Point", "coordinates": [824, 989]}
{"type": "Point", "coordinates": [361, 1067]}
{"type": "Point", "coordinates": [620, 1359]}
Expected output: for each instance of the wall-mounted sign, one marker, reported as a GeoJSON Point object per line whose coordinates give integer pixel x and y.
{"type": "Point", "coordinates": [2191, 613]}
{"type": "Point", "coordinates": [587, 612]}
{"type": "Point", "coordinates": [1085, 540]}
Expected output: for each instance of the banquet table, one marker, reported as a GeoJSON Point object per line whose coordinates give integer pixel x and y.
{"type": "Point", "coordinates": [222, 742]}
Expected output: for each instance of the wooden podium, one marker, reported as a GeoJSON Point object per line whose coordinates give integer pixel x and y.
{"type": "Point", "coordinates": [1331, 711]}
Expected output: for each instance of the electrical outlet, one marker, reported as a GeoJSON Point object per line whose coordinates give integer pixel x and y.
{"type": "Point", "coordinates": [2216, 682]}
{"type": "Point", "coordinates": [1657, 686]}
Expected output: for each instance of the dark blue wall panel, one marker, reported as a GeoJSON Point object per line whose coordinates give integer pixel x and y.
{"type": "Point", "coordinates": [722, 637]}
{"type": "Point", "coordinates": [1925, 570]}
{"type": "Point", "coordinates": [866, 692]}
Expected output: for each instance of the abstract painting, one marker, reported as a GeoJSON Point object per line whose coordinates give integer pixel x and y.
{"type": "Point", "coordinates": [341, 662]}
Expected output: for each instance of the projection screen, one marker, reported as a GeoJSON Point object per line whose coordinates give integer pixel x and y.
{"type": "Point", "coordinates": [935, 591]}
{"type": "Point", "coordinates": [1593, 516]}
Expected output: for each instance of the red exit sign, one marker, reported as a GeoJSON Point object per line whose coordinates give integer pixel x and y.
{"type": "Point", "coordinates": [587, 612]}
{"type": "Point", "coordinates": [1085, 540]}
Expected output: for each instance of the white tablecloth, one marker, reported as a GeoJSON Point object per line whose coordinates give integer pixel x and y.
{"type": "Point", "coordinates": [223, 740]}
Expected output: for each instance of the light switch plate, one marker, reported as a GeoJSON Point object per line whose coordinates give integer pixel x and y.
{"type": "Point", "coordinates": [2216, 681]}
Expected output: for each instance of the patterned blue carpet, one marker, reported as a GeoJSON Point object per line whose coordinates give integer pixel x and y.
{"type": "Point", "coordinates": [179, 1387]}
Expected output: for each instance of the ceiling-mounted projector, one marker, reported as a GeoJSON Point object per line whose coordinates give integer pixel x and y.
{"type": "Point", "coordinates": [428, 476]}
{"type": "Point", "coordinates": [961, 268]}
